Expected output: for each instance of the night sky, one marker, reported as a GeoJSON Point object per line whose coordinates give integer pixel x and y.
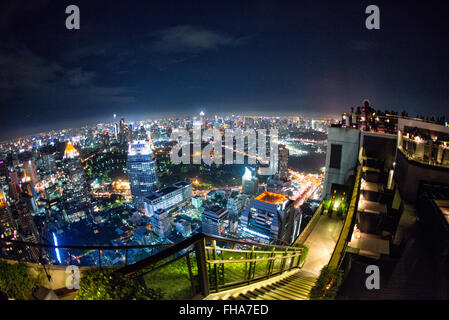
{"type": "Point", "coordinates": [144, 59]}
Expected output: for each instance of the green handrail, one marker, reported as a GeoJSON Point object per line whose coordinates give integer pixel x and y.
{"type": "Point", "coordinates": [340, 247]}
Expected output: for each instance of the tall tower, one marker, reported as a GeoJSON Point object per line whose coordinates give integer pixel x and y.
{"type": "Point", "coordinates": [202, 118]}
{"type": "Point", "coordinates": [29, 168]}
{"type": "Point", "coordinates": [75, 187]}
{"type": "Point", "coordinates": [141, 170]}
{"type": "Point", "coordinates": [283, 163]}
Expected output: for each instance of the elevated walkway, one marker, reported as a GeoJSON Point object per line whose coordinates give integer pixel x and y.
{"type": "Point", "coordinates": [321, 243]}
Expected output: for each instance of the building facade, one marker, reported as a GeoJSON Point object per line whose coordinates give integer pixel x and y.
{"type": "Point", "coordinates": [250, 183]}
{"type": "Point", "coordinates": [141, 171]}
{"type": "Point", "coordinates": [283, 155]}
{"type": "Point", "coordinates": [160, 223]}
{"type": "Point", "coordinates": [215, 221]}
{"type": "Point", "coordinates": [270, 217]}
{"type": "Point", "coordinates": [177, 195]}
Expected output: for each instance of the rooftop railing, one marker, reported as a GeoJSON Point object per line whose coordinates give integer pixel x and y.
{"type": "Point", "coordinates": [204, 263]}
{"type": "Point", "coordinates": [191, 269]}
{"type": "Point", "coordinates": [428, 153]}
{"type": "Point", "coordinates": [77, 255]}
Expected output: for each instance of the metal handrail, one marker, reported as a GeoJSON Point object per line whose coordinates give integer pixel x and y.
{"type": "Point", "coordinates": [341, 245]}
{"type": "Point", "coordinates": [248, 251]}
{"type": "Point", "coordinates": [196, 245]}
{"type": "Point", "coordinates": [43, 245]}
{"type": "Point", "coordinates": [252, 260]}
{"type": "Point", "coordinates": [130, 269]}
{"type": "Point", "coordinates": [209, 267]}
{"type": "Point", "coordinates": [249, 239]}
{"type": "Point", "coordinates": [218, 238]}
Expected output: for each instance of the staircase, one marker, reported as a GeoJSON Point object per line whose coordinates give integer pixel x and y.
{"type": "Point", "coordinates": [294, 287]}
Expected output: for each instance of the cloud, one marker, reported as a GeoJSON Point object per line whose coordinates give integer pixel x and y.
{"type": "Point", "coordinates": [28, 78]}
{"type": "Point", "coordinates": [187, 38]}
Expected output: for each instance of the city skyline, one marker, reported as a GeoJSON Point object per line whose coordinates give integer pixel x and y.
{"type": "Point", "coordinates": [242, 150]}
{"type": "Point", "coordinates": [152, 60]}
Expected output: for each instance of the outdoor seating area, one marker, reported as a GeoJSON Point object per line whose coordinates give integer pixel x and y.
{"type": "Point", "coordinates": [376, 221]}
{"type": "Point", "coordinates": [429, 147]}
{"type": "Point", "coordinates": [370, 245]}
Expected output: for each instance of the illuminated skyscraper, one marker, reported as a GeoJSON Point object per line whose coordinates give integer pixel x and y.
{"type": "Point", "coordinates": [283, 163]}
{"type": "Point", "coordinates": [29, 168]}
{"type": "Point", "coordinates": [215, 221]}
{"type": "Point", "coordinates": [73, 182]}
{"type": "Point", "coordinates": [70, 152]}
{"type": "Point", "coordinates": [141, 170]}
{"type": "Point", "coordinates": [249, 183]}
{"type": "Point", "coordinates": [202, 117]}
{"type": "Point", "coordinates": [200, 121]}
{"type": "Point", "coordinates": [269, 217]}
{"type": "Point", "coordinates": [116, 131]}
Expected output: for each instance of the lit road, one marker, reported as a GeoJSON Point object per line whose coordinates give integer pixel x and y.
{"type": "Point", "coordinates": [308, 186]}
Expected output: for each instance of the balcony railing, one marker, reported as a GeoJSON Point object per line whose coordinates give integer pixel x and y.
{"type": "Point", "coordinates": [203, 264]}
{"type": "Point", "coordinates": [77, 255]}
{"type": "Point", "coordinates": [192, 268]}
{"type": "Point", "coordinates": [434, 154]}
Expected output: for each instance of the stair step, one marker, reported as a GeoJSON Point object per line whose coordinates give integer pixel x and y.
{"type": "Point", "coordinates": [289, 294]}
{"type": "Point", "coordinates": [296, 288]}
{"type": "Point", "coordinates": [251, 295]}
{"type": "Point", "coordinates": [272, 296]}
{"type": "Point", "coordinates": [294, 284]}
{"type": "Point", "coordinates": [296, 291]}
{"type": "Point", "coordinates": [302, 280]}
{"type": "Point", "coordinates": [242, 297]}
{"type": "Point", "coordinates": [259, 292]}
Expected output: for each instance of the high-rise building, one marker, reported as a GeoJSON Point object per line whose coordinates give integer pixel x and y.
{"type": "Point", "coordinates": [116, 131]}
{"type": "Point", "coordinates": [14, 188]}
{"type": "Point", "coordinates": [160, 223]}
{"type": "Point", "coordinates": [141, 170]}
{"type": "Point", "coordinates": [202, 118]}
{"type": "Point", "coordinates": [215, 221]}
{"type": "Point", "coordinates": [270, 217]}
{"type": "Point", "coordinates": [122, 125]}
{"type": "Point", "coordinates": [283, 163]}
{"type": "Point", "coordinates": [235, 205]}
{"type": "Point", "coordinates": [142, 133]}
{"type": "Point", "coordinates": [27, 228]}
{"type": "Point", "coordinates": [29, 168]}
{"type": "Point", "coordinates": [74, 184]}
{"type": "Point", "coordinates": [177, 195]}
{"type": "Point", "coordinates": [197, 201]}
{"type": "Point", "coordinates": [3, 172]}
{"type": "Point", "coordinates": [249, 183]}
{"type": "Point", "coordinates": [7, 223]}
